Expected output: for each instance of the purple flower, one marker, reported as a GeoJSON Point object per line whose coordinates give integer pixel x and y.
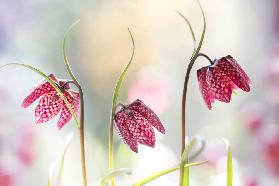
{"type": "Point", "coordinates": [135, 123]}
{"type": "Point", "coordinates": [51, 104]}
{"type": "Point", "coordinates": [218, 80]}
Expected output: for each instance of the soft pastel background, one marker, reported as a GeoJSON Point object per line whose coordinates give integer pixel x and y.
{"type": "Point", "coordinates": [31, 31]}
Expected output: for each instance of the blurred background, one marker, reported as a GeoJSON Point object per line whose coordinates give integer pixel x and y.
{"type": "Point", "coordinates": [99, 47]}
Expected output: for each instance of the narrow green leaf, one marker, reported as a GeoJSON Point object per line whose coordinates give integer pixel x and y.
{"type": "Point", "coordinates": [114, 102]}
{"type": "Point", "coordinates": [196, 52]}
{"type": "Point", "coordinates": [229, 164]}
{"type": "Point", "coordinates": [162, 173]}
{"type": "Point", "coordinates": [50, 81]}
{"type": "Point", "coordinates": [186, 177]}
{"type": "Point", "coordinates": [120, 80]}
{"type": "Point", "coordinates": [185, 160]}
{"type": "Point", "coordinates": [62, 159]}
{"type": "Point", "coordinates": [50, 174]}
{"type": "Point", "coordinates": [197, 151]}
{"type": "Point", "coordinates": [57, 167]}
{"type": "Point", "coordinates": [64, 50]}
{"type": "Point", "coordinates": [115, 173]}
{"type": "Point", "coordinates": [190, 27]}
{"type": "Point", "coordinates": [187, 150]}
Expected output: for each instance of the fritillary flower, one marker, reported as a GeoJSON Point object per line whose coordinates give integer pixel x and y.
{"type": "Point", "coordinates": [218, 80]}
{"type": "Point", "coordinates": [50, 103]}
{"type": "Point", "coordinates": [135, 123]}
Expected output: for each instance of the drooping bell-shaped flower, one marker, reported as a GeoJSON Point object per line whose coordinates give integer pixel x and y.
{"type": "Point", "coordinates": [135, 123]}
{"type": "Point", "coordinates": [218, 80]}
{"type": "Point", "coordinates": [50, 103]}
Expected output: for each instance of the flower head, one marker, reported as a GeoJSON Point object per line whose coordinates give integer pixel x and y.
{"type": "Point", "coordinates": [218, 80]}
{"type": "Point", "coordinates": [135, 123]}
{"type": "Point", "coordinates": [50, 103]}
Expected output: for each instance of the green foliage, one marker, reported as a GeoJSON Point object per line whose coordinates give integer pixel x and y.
{"type": "Point", "coordinates": [162, 173]}
{"type": "Point", "coordinates": [118, 172]}
{"type": "Point", "coordinates": [120, 80]}
{"type": "Point", "coordinates": [229, 164]}
{"type": "Point", "coordinates": [66, 62]}
{"type": "Point", "coordinates": [185, 160]}
{"type": "Point", "coordinates": [190, 27]}
{"type": "Point", "coordinates": [56, 168]}
{"type": "Point", "coordinates": [114, 102]}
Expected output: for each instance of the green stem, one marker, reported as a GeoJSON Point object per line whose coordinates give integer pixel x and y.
{"type": "Point", "coordinates": [111, 163]}
{"type": "Point", "coordinates": [183, 116]}
{"type": "Point", "coordinates": [114, 106]}
{"type": "Point", "coordinates": [81, 133]}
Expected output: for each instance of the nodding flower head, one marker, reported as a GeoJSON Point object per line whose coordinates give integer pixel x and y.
{"type": "Point", "coordinates": [50, 103]}
{"type": "Point", "coordinates": [135, 123]}
{"type": "Point", "coordinates": [218, 80]}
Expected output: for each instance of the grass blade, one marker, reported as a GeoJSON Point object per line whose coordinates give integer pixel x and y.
{"type": "Point", "coordinates": [66, 62]}
{"type": "Point", "coordinates": [190, 27]}
{"type": "Point", "coordinates": [162, 173]}
{"type": "Point", "coordinates": [229, 164]}
{"type": "Point", "coordinates": [114, 102]}
{"type": "Point", "coordinates": [120, 80]}
{"type": "Point", "coordinates": [51, 82]}
{"type": "Point", "coordinates": [117, 172]}
{"type": "Point", "coordinates": [58, 166]}
{"type": "Point", "coordinates": [185, 160]}
{"type": "Point", "coordinates": [196, 52]}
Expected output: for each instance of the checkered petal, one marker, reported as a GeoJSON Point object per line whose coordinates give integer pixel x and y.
{"type": "Point", "coordinates": [139, 107]}
{"type": "Point", "coordinates": [126, 127]}
{"type": "Point", "coordinates": [48, 108]}
{"type": "Point", "coordinates": [233, 71]}
{"type": "Point", "coordinates": [66, 116]}
{"type": "Point", "coordinates": [219, 84]}
{"type": "Point", "coordinates": [204, 87]}
{"type": "Point", "coordinates": [144, 132]}
{"type": "Point", "coordinates": [42, 88]}
{"type": "Point", "coordinates": [238, 67]}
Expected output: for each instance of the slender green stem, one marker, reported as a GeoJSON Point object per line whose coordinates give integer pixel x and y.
{"type": "Point", "coordinates": [111, 163]}
{"type": "Point", "coordinates": [81, 132]}
{"type": "Point", "coordinates": [183, 114]}
{"type": "Point", "coordinates": [114, 106]}
{"type": "Point", "coordinates": [81, 123]}
{"type": "Point", "coordinates": [206, 56]}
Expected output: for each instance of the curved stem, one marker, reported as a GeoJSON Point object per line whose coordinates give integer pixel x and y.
{"type": "Point", "coordinates": [183, 125]}
{"type": "Point", "coordinates": [184, 98]}
{"type": "Point", "coordinates": [183, 117]}
{"type": "Point", "coordinates": [184, 95]}
{"type": "Point", "coordinates": [81, 132]}
{"type": "Point", "coordinates": [205, 56]}
{"type": "Point", "coordinates": [114, 107]}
